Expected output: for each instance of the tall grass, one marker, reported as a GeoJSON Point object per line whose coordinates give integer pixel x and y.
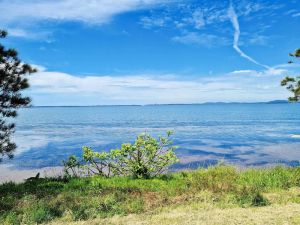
{"type": "Point", "coordinates": [43, 200]}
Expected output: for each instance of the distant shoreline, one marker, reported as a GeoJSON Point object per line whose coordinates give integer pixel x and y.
{"type": "Point", "coordinates": [166, 104]}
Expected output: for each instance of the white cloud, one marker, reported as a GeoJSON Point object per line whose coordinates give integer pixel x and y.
{"type": "Point", "coordinates": [55, 88]}
{"type": "Point", "coordinates": [88, 11]}
{"type": "Point", "coordinates": [276, 71]}
{"type": "Point", "coordinates": [272, 71]}
{"type": "Point", "coordinates": [23, 19]}
{"type": "Point", "coordinates": [245, 72]}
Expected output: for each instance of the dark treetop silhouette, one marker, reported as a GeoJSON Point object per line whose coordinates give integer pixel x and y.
{"type": "Point", "coordinates": [12, 81]}
{"type": "Point", "coordinates": [293, 83]}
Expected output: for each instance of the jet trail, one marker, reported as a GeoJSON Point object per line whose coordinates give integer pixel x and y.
{"type": "Point", "coordinates": [234, 20]}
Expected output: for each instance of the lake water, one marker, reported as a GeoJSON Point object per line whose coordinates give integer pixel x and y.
{"type": "Point", "coordinates": [240, 134]}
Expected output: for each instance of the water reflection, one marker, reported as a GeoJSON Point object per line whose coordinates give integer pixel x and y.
{"type": "Point", "coordinates": [244, 135]}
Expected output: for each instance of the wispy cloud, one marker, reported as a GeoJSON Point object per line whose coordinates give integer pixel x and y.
{"type": "Point", "coordinates": [193, 22]}
{"type": "Point", "coordinates": [234, 20]}
{"type": "Point", "coordinates": [148, 22]}
{"type": "Point", "coordinates": [30, 34]}
{"type": "Point", "coordinates": [207, 40]}
{"type": "Point", "coordinates": [275, 71]}
{"type": "Point", "coordinates": [258, 40]}
{"type": "Point", "coordinates": [198, 19]}
{"type": "Point", "coordinates": [296, 14]}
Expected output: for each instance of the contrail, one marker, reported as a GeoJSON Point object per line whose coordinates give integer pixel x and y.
{"type": "Point", "coordinates": [234, 20]}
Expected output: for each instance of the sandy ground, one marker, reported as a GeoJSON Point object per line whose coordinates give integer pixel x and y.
{"type": "Point", "coordinates": [9, 174]}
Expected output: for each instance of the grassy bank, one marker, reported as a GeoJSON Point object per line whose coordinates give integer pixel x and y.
{"type": "Point", "coordinates": [221, 187]}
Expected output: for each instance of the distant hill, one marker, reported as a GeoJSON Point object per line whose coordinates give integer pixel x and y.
{"type": "Point", "coordinates": [278, 102]}
{"type": "Point", "coordinates": [270, 102]}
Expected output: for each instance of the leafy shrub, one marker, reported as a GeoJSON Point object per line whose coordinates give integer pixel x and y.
{"type": "Point", "coordinates": [71, 166]}
{"type": "Point", "coordinates": [147, 157]}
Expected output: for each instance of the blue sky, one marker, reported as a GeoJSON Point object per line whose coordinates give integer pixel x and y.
{"type": "Point", "coordinates": [154, 51]}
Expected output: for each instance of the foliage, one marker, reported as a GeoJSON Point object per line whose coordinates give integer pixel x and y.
{"type": "Point", "coordinates": [293, 83]}
{"type": "Point", "coordinates": [296, 53]}
{"type": "Point", "coordinates": [72, 165]}
{"type": "Point", "coordinates": [12, 82]}
{"type": "Point", "coordinates": [74, 198]}
{"type": "Point", "coordinates": [146, 158]}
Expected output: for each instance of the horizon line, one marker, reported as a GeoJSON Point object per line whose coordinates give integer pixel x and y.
{"type": "Point", "coordinates": [161, 104]}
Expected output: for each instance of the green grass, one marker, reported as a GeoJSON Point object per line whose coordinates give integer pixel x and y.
{"type": "Point", "coordinates": [73, 199]}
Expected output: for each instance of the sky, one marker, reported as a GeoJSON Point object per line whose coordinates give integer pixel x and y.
{"type": "Point", "coordinates": [104, 52]}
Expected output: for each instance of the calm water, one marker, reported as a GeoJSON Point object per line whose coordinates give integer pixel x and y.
{"type": "Point", "coordinates": [242, 134]}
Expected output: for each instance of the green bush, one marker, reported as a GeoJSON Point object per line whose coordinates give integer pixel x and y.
{"type": "Point", "coordinates": [147, 157]}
